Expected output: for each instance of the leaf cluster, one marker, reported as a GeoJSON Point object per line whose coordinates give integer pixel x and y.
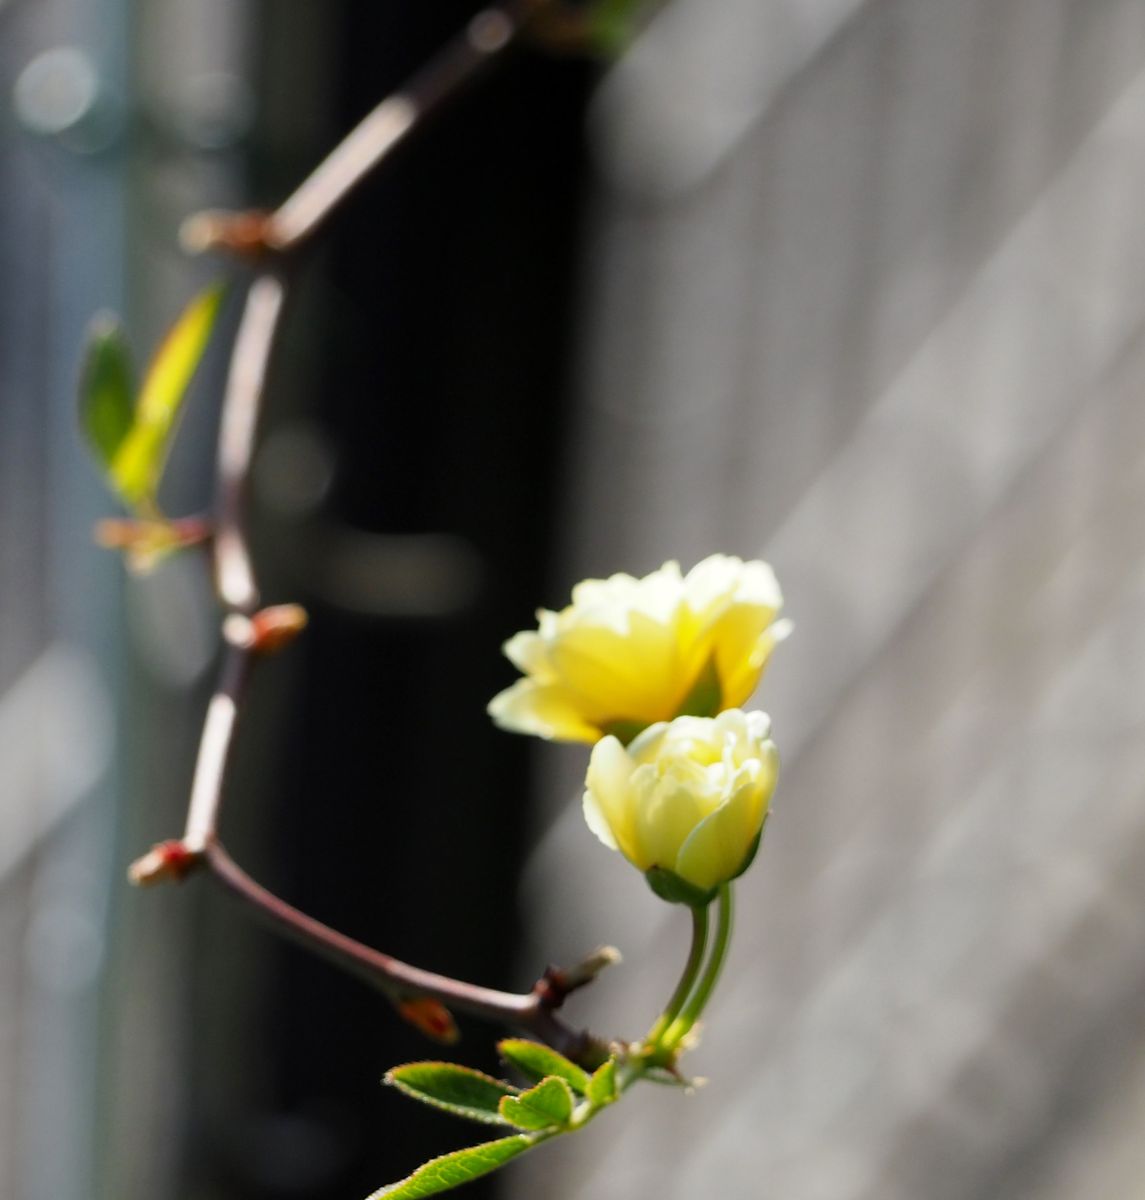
{"type": "Point", "coordinates": [561, 1098]}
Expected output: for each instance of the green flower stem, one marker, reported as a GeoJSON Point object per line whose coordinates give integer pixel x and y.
{"type": "Point", "coordinates": [694, 1008]}
{"type": "Point", "coordinates": [687, 979]}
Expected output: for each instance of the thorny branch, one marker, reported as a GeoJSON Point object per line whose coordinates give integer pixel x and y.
{"type": "Point", "coordinates": [272, 241]}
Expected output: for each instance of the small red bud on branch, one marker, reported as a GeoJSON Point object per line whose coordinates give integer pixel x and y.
{"type": "Point", "coordinates": [243, 234]}
{"type": "Point", "coordinates": [430, 1017]}
{"type": "Point", "coordinates": [268, 631]}
{"type": "Point", "coordinates": [166, 861]}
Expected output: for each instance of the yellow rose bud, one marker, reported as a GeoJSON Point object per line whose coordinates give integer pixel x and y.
{"type": "Point", "coordinates": [628, 652]}
{"type": "Point", "coordinates": [686, 801]}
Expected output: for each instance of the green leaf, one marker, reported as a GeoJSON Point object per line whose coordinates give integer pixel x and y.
{"type": "Point", "coordinates": [107, 390]}
{"type": "Point", "coordinates": [138, 461]}
{"type": "Point", "coordinates": [614, 23]}
{"type": "Point", "coordinates": [669, 886]}
{"type": "Point", "coordinates": [456, 1089]}
{"type": "Point", "coordinates": [537, 1062]}
{"type": "Point", "coordinates": [602, 1086]}
{"type": "Point", "coordinates": [549, 1105]}
{"type": "Point", "coordinates": [452, 1170]}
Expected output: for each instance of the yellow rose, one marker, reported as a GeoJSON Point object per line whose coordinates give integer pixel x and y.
{"type": "Point", "coordinates": [686, 800]}
{"type": "Point", "coordinates": [629, 652]}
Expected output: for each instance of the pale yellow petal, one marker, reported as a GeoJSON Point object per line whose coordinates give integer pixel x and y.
{"type": "Point", "coordinates": [528, 652]}
{"type": "Point", "coordinates": [759, 586]}
{"type": "Point", "coordinates": [740, 669]}
{"type": "Point", "coordinates": [546, 711]}
{"type": "Point", "coordinates": [712, 583]}
{"type": "Point", "coordinates": [609, 801]}
{"type": "Point", "coordinates": [596, 820]}
{"type": "Point", "coordinates": [668, 812]}
{"type": "Point", "coordinates": [717, 847]}
{"type": "Point", "coordinates": [660, 594]}
{"type": "Point", "coordinates": [617, 677]}
{"type": "Point", "coordinates": [664, 666]}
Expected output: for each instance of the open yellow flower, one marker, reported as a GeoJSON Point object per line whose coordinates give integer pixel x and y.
{"type": "Point", "coordinates": [629, 652]}
{"type": "Point", "coordinates": [686, 801]}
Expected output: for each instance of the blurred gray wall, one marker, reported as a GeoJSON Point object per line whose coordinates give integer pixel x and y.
{"type": "Point", "coordinates": [97, 168]}
{"type": "Point", "coordinates": [868, 300]}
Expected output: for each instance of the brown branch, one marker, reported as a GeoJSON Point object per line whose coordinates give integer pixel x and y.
{"type": "Point", "coordinates": [215, 747]}
{"type": "Point", "coordinates": [531, 1012]}
{"type": "Point", "coordinates": [485, 40]}
{"type": "Point", "coordinates": [248, 633]}
{"type": "Point", "coordinates": [242, 403]}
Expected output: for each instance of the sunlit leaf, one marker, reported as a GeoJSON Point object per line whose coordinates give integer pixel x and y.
{"type": "Point", "coordinates": [107, 390]}
{"type": "Point", "coordinates": [456, 1089]}
{"type": "Point", "coordinates": [602, 1088]}
{"type": "Point", "coordinates": [549, 1105]}
{"type": "Point", "coordinates": [537, 1062]}
{"type": "Point", "coordinates": [452, 1170]}
{"type": "Point", "coordinates": [138, 462]}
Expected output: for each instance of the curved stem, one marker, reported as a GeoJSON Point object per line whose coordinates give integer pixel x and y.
{"type": "Point", "coordinates": [692, 1011]}
{"type": "Point", "coordinates": [531, 1012]}
{"type": "Point", "coordinates": [687, 979]}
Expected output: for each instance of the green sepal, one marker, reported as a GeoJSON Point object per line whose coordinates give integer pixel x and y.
{"type": "Point", "coordinates": [624, 731]}
{"type": "Point", "coordinates": [706, 697]}
{"type": "Point", "coordinates": [669, 886]}
{"type": "Point", "coordinates": [667, 1078]}
{"type": "Point", "coordinates": [452, 1170]}
{"type": "Point", "coordinates": [537, 1062]}
{"type": "Point", "coordinates": [456, 1089]}
{"type": "Point", "coordinates": [106, 389]}
{"type": "Point", "coordinates": [602, 1088]}
{"type": "Point", "coordinates": [549, 1105]}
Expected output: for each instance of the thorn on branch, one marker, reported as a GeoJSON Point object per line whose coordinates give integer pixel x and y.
{"type": "Point", "coordinates": [557, 982]}
{"type": "Point", "coordinates": [166, 861]}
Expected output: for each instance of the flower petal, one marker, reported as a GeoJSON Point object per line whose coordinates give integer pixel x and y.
{"type": "Point", "coordinates": [528, 652]}
{"type": "Point", "coordinates": [608, 797]}
{"type": "Point", "coordinates": [669, 811]}
{"type": "Point", "coordinates": [629, 652]}
{"type": "Point", "coordinates": [545, 710]}
{"type": "Point", "coordinates": [716, 848]}
{"type": "Point", "coordinates": [634, 676]}
{"type": "Point", "coordinates": [743, 667]}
